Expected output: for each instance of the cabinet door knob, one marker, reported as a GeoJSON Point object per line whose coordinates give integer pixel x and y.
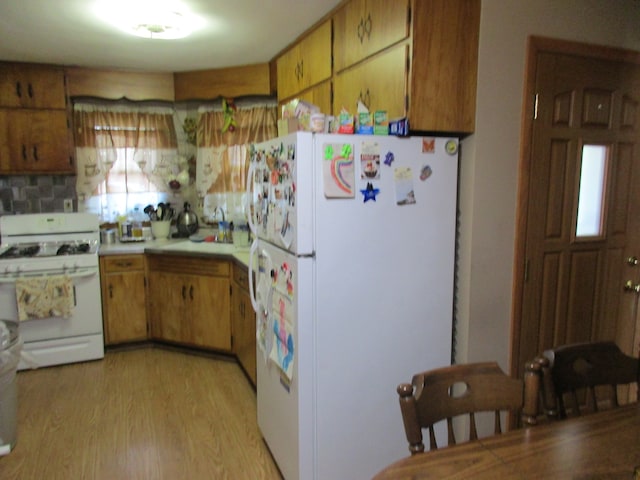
{"type": "Point", "coordinates": [629, 286]}
{"type": "Point", "coordinates": [367, 26]}
{"type": "Point", "coordinates": [184, 292]}
{"type": "Point", "coordinates": [361, 30]}
{"type": "Point", "coordinates": [191, 292]}
{"type": "Point", "coordinates": [30, 90]}
{"type": "Point", "coordinates": [19, 89]}
{"type": "Point", "coordinates": [35, 153]}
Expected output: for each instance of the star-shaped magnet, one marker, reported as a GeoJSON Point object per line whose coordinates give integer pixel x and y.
{"type": "Point", "coordinates": [370, 193]}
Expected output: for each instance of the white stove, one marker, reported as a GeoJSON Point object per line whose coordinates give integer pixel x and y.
{"type": "Point", "coordinates": [48, 260]}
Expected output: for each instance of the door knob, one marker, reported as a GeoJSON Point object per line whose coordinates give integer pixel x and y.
{"type": "Point", "coordinates": [630, 287]}
{"type": "Point", "coordinates": [632, 261]}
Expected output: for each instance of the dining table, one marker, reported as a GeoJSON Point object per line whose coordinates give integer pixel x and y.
{"type": "Point", "coordinates": [602, 445]}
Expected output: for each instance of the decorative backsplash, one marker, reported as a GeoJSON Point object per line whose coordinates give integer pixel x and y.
{"type": "Point", "coordinates": [36, 193]}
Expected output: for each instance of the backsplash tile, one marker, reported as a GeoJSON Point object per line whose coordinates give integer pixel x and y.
{"type": "Point", "coordinates": [36, 193]}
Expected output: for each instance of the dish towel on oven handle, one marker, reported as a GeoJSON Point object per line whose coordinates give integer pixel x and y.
{"type": "Point", "coordinates": [44, 297]}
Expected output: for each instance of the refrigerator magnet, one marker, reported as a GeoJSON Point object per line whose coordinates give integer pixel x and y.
{"type": "Point", "coordinates": [425, 172]}
{"type": "Point", "coordinates": [403, 177]}
{"type": "Point", "coordinates": [370, 193]}
{"type": "Point", "coordinates": [338, 174]}
{"type": "Point", "coordinates": [388, 159]}
{"type": "Point", "coordinates": [451, 147]}
{"type": "Point", "coordinates": [370, 161]}
{"type": "Point", "coordinates": [428, 145]}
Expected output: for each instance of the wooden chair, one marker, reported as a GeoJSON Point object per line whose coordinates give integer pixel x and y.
{"type": "Point", "coordinates": [458, 390]}
{"type": "Point", "coordinates": [585, 377]}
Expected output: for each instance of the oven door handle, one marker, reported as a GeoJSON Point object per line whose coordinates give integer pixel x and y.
{"type": "Point", "coordinates": [79, 274]}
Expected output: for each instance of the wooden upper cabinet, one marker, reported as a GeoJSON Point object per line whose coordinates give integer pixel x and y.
{"type": "Point", "coordinates": [379, 83]}
{"type": "Point", "coordinates": [364, 27]}
{"type": "Point", "coordinates": [306, 64]}
{"type": "Point", "coordinates": [319, 95]}
{"type": "Point", "coordinates": [223, 82]}
{"type": "Point", "coordinates": [444, 65]}
{"type": "Point", "coordinates": [35, 141]}
{"type": "Point", "coordinates": [115, 84]}
{"type": "Point", "coordinates": [31, 86]}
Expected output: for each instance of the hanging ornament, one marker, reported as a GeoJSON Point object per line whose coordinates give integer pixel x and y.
{"type": "Point", "coordinates": [229, 109]}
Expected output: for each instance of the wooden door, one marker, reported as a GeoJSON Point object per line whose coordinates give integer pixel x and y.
{"type": "Point", "coordinates": [574, 273]}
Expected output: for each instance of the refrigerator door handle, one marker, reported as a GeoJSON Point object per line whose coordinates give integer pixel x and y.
{"type": "Point", "coordinates": [248, 200]}
{"type": "Point", "coordinates": [252, 293]}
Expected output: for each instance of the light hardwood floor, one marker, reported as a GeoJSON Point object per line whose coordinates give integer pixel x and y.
{"type": "Point", "coordinates": [146, 413]}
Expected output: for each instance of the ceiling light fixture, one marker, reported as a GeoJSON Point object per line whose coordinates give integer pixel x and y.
{"type": "Point", "coordinates": [154, 19]}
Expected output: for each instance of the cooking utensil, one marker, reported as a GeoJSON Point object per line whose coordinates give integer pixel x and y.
{"type": "Point", "coordinates": [150, 211]}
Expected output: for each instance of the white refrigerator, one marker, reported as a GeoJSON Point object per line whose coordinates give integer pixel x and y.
{"type": "Point", "coordinates": [354, 267]}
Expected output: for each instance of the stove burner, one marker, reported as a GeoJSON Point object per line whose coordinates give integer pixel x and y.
{"type": "Point", "coordinates": [67, 249]}
{"type": "Point", "coordinates": [17, 252]}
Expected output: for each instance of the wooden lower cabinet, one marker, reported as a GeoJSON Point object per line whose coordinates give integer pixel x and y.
{"type": "Point", "coordinates": [189, 300]}
{"type": "Point", "coordinates": [243, 322]}
{"type": "Point", "coordinates": [122, 279]}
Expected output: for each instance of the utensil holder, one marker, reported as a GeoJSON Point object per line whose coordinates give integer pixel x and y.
{"type": "Point", "coordinates": [161, 229]}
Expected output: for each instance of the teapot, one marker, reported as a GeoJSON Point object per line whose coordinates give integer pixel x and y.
{"type": "Point", "coordinates": [187, 221]}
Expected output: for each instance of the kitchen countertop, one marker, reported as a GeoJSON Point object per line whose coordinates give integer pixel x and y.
{"type": "Point", "coordinates": [181, 246]}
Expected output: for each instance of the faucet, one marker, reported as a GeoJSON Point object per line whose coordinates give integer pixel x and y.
{"type": "Point", "coordinates": [224, 235]}
{"type": "Point", "coordinates": [215, 212]}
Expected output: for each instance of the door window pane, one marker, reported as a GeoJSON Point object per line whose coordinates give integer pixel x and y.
{"type": "Point", "coordinates": [591, 194]}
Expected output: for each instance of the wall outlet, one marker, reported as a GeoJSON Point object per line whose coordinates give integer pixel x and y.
{"type": "Point", "coordinates": [68, 205]}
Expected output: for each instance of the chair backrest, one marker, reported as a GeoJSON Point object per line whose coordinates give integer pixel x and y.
{"type": "Point", "coordinates": [584, 378]}
{"type": "Point", "coordinates": [449, 392]}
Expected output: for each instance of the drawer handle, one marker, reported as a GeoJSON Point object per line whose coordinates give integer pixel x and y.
{"type": "Point", "coordinates": [124, 264]}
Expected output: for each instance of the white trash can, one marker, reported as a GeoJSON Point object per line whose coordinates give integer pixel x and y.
{"type": "Point", "coordinates": [10, 350]}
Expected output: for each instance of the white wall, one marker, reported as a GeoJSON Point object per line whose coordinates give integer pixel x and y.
{"type": "Point", "coordinates": [489, 158]}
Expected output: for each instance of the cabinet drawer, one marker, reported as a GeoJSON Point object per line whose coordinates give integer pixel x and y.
{"type": "Point", "coordinates": [189, 265]}
{"type": "Point", "coordinates": [122, 263]}
{"type": "Point", "coordinates": [241, 276]}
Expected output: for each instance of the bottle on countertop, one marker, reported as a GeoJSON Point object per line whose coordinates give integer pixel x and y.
{"type": "Point", "coordinates": [124, 226]}
{"type": "Point", "coordinates": [136, 223]}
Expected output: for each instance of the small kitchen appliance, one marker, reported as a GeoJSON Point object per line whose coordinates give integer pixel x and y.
{"type": "Point", "coordinates": [187, 221]}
